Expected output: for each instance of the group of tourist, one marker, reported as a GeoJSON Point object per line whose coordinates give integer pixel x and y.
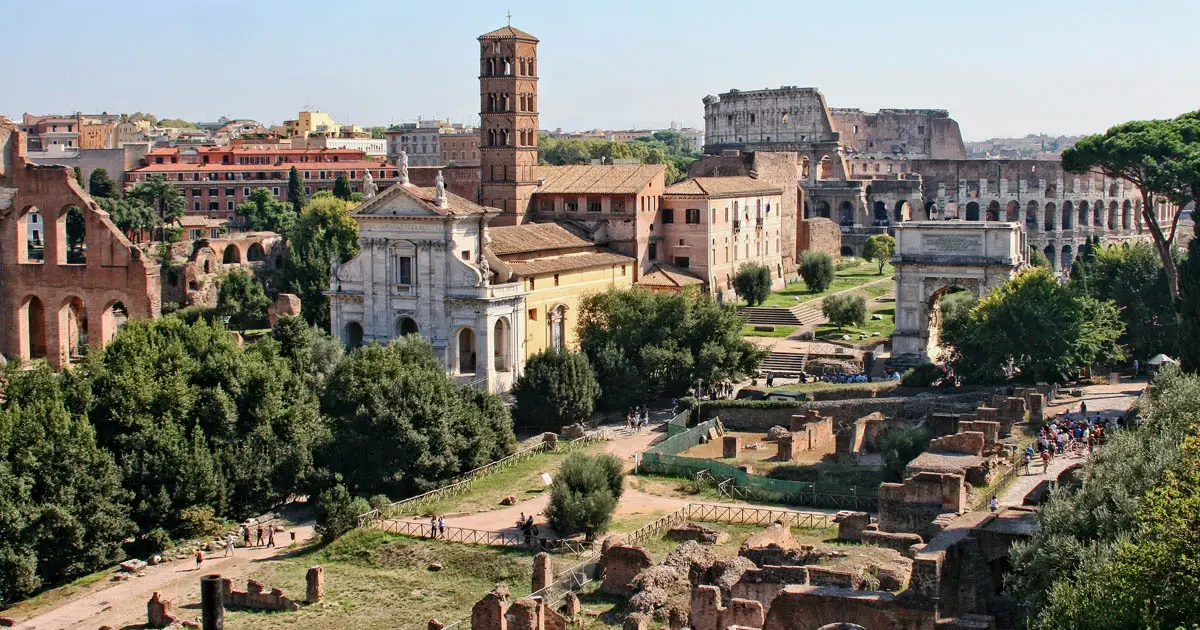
{"type": "Point", "coordinates": [1065, 432]}
{"type": "Point", "coordinates": [528, 529]}
{"type": "Point", "coordinates": [437, 526]}
{"type": "Point", "coordinates": [636, 418]}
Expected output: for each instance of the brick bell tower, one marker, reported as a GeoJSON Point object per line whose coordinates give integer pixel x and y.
{"type": "Point", "coordinates": [508, 129]}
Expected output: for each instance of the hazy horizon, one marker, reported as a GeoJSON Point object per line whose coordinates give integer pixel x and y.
{"type": "Point", "coordinates": [1030, 68]}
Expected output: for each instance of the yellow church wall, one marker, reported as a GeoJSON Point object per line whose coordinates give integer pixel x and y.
{"type": "Point", "coordinates": [544, 295]}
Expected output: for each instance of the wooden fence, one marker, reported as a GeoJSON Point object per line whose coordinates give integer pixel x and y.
{"type": "Point", "coordinates": [469, 536]}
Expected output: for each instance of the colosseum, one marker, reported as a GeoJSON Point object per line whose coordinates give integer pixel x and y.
{"type": "Point", "coordinates": [869, 171]}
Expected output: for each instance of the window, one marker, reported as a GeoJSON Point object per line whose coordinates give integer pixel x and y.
{"type": "Point", "coordinates": [245, 192]}
{"type": "Point", "coordinates": [229, 205]}
{"type": "Point", "coordinates": [466, 254]}
{"type": "Point", "coordinates": [213, 206]}
{"type": "Point", "coordinates": [196, 206]}
{"type": "Point", "coordinates": [652, 252]}
{"type": "Point", "coordinates": [532, 283]}
{"type": "Point", "coordinates": [533, 314]}
{"type": "Point", "coordinates": [229, 192]}
{"type": "Point", "coordinates": [618, 205]}
{"type": "Point", "coordinates": [693, 215]}
{"type": "Point", "coordinates": [593, 205]}
{"type": "Point", "coordinates": [194, 234]}
{"type": "Point", "coordinates": [682, 262]}
{"type": "Point", "coordinates": [622, 270]}
{"type": "Point", "coordinates": [404, 270]}
{"type": "Point", "coordinates": [572, 206]}
{"type": "Point", "coordinates": [668, 215]}
{"type": "Point", "coordinates": [212, 192]}
{"type": "Point", "coordinates": [275, 191]}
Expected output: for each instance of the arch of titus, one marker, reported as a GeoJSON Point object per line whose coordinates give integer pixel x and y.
{"type": "Point", "coordinates": [935, 256]}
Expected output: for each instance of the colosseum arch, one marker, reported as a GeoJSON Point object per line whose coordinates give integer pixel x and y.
{"type": "Point", "coordinates": [993, 211]}
{"type": "Point", "coordinates": [1051, 224]}
{"type": "Point", "coordinates": [1032, 223]}
{"type": "Point", "coordinates": [935, 256]}
{"type": "Point", "coordinates": [903, 211]}
{"type": "Point", "coordinates": [1012, 212]}
{"type": "Point", "coordinates": [972, 211]}
{"type": "Point", "coordinates": [1068, 215]}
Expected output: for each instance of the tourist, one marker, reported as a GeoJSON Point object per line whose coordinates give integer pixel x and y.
{"type": "Point", "coordinates": [1046, 461]}
{"type": "Point", "coordinates": [1135, 367]}
{"type": "Point", "coordinates": [199, 558]}
{"type": "Point", "coordinates": [770, 379]}
{"type": "Point", "coordinates": [259, 543]}
{"type": "Point", "coordinates": [245, 536]}
{"type": "Point", "coordinates": [230, 542]}
{"type": "Point", "coordinates": [270, 536]}
{"type": "Point", "coordinates": [441, 526]}
{"type": "Point", "coordinates": [1028, 456]}
{"type": "Point", "coordinates": [1083, 409]}
{"type": "Point", "coordinates": [433, 526]}
{"type": "Point", "coordinates": [993, 505]}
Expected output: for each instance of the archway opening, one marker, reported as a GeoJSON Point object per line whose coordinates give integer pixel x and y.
{"type": "Point", "coordinates": [466, 351]}
{"type": "Point", "coordinates": [231, 255]}
{"type": "Point", "coordinates": [1067, 259]}
{"type": "Point", "coordinates": [903, 211]}
{"type": "Point", "coordinates": [1098, 219]}
{"type": "Point", "coordinates": [354, 335]}
{"type": "Point", "coordinates": [948, 309]}
{"type": "Point", "coordinates": [1012, 213]}
{"type": "Point", "coordinates": [1068, 216]}
{"type": "Point", "coordinates": [1052, 256]}
{"type": "Point", "coordinates": [406, 326]}
{"type": "Point", "coordinates": [1031, 216]}
{"type": "Point", "coordinates": [881, 213]}
{"type": "Point", "coordinates": [256, 253]}
{"type": "Point", "coordinates": [75, 233]}
{"type": "Point", "coordinates": [847, 213]}
{"type": "Point", "coordinates": [847, 250]}
{"type": "Point", "coordinates": [33, 328]}
{"type": "Point", "coordinates": [114, 318]}
{"type": "Point", "coordinates": [1051, 217]}
{"type": "Point", "coordinates": [1127, 216]}
{"type": "Point", "coordinates": [972, 211]}
{"type": "Point", "coordinates": [31, 243]}
{"type": "Point", "coordinates": [930, 210]}
{"type": "Point", "coordinates": [825, 168]}
{"type": "Point", "coordinates": [500, 345]}
{"type": "Point", "coordinates": [823, 210]}
{"type": "Point", "coordinates": [1085, 214]}
{"type": "Point", "coordinates": [1113, 216]}
{"type": "Point", "coordinates": [74, 322]}
{"type": "Point", "coordinates": [993, 211]}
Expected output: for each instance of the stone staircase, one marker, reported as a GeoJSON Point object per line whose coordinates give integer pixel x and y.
{"type": "Point", "coordinates": [799, 315]}
{"type": "Point", "coordinates": [788, 364]}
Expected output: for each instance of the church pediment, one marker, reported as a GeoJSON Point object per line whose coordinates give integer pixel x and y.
{"type": "Point", "coordinates": [396, 201]}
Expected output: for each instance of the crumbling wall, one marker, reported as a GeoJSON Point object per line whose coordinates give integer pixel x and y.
{"type": "Point", "coordinates": [818, 235]}
{"type": "Point", "coordinates": [621, 564]}
{"type": "Point", "coordinates": [813, 607]}
{"type": "Point", "coordinates": [38, 301]}
{"type": "Point", "coordinates": [913, 505]}
{"type": "Point", "coordinates": [256, 596]}
{"type": "Point", "coordinates": [966, 442]}
{"type": "Point", "coordinates": [708, 612]}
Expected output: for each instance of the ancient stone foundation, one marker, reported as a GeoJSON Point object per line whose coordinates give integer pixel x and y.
{"type": "Point", "coordinates": [851, 525]}
{"type": "Point", "coordinates": [158, 612]}
{"type": "Point", "coordinates": [315, 584]}
{"type": "Point", "coordinates": [256, 597]}
{"type": "Point", "coordinates": [708, 613]}
{"type": "Point", "coordinates": [543, 571]}
{"type": "Point", "coordinates": [913, 505]}
{"type": "Point", "coordinates": [731, 445]}
{"type": "Point", "coordinates": [622, 564]}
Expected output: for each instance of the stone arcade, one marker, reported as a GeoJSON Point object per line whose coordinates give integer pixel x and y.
{"type": "Point", "coordinates": [934, 256]}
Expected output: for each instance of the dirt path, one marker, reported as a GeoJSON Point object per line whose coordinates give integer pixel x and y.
{"type": "Point", "coordinates": [123, 604]}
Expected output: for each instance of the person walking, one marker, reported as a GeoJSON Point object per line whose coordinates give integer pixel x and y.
{"type": "Point", "coordinates": [1045, 461]}
{"type": "Point", "coordinates": [199, 559]}
{"type": "Point", "coordinates": [441, 523]}
{"type": "Point", "coordinates": [230, 543]}
{"type": "Point", "coordinates": [259, 543]}
{"type": "Point", "coordinates": [1083, 409]}
{"type": "Point", "coordinates": [993, 505]}
{"type": "Point", "coordinates": [270, 536]}
{"type": "Point", "coordinates": [245, 536]}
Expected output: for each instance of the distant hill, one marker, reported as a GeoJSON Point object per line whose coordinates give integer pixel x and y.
{"type": "Point", "coordinates": [1033, 146]}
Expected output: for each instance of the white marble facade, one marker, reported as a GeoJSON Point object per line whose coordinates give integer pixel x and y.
{"type": "Point", "coordinates": [424, 269]}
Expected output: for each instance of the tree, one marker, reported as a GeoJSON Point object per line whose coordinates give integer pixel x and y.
{"type": "Point", "coordinates": [130, 214]}
{"type": "Point", "coordinates": [76, 232]}
{"type": "Point", "coordinates": [400, 424]}
{"type": "Point", "coordinates": [161, 195]}
{"type": "Point", "coordinates": [263, 212]}
{"type": "Point", "coordinates": [323, 234]}
{"type": "Point", "coordinates": [1038, 259]}
{"type": "Point", "coordinates": [101, 185]}
{"type": "Point", "coordinates": [242, 299]}
{"type": "Point", "coordinates": [556, 389]}
{"type": "Point", "coordinates": [337, 512]}
{"type": "Point", "coordinates": [1119, 539]}
{"type": "Point", "coordinates": [65, 513]}
{"type": "Point", "coordinates": [1153, 155]}
{"type": "Point", "coordinates": [177, 123]}
{"type": "Point", "coordinates": [880, 249]}
{"type": "Point", "coordinates": [644, 345]}
{"type": "Point", "coordinates": [901, 445]}
{"type": "Point", "coordinates": [753, 283]}
{"type": "Point", "coordinates": [1189, 309]}
{"type": "Point", "coordinates": [584, 494]}
{"type": "Point", "coordinates": [295, 191]}
{"type": "Point", "coordinates": [1133, 279]}
{"type": "Point", "coordinates": [78, 173]}
{"type": "Point", "coordinates": [845, 310]}
{"type": "Point", "coordinates": [341, 187]}
{"type": "Point", "coordinates": [1045, 330]}
{"type": "Point", "coordinates": [817, 270]}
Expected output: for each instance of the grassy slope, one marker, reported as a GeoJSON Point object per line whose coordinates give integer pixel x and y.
{"type": "Point", "coordinates": [798, 293]}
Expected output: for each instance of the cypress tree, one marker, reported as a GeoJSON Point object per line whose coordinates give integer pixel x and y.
{"type": "Point", "coordinates": [296, 194]}
{"type": "Point", "coordinates": [1189, 309]}
{"type": "Point", "coordinates": [341, 187]}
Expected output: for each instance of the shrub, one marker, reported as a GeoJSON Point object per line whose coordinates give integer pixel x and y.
{"type": "Point", "coordinates": [337, 512]}
{"type": "Point", "coordinates": [199, 522]}
{"type": "Point", "coordinates": [845, 310]}
{"type": "Point", "coordinates": [880, 248]}
{"type": "Point", "coordinates": [817, 270]}
{"type": "Point", "coordinates": [584, 495]}
{"type": "Point", "coordinates": [753, 283]}
{"type": "Point", "coordinates": [557, 389]}
{"type": "Point", "coordinates": [924, 375]}
{"type": "Point", "coordinates": [900, 446]}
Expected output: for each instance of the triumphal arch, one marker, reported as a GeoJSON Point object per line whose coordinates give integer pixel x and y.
{"type": "Point", "coordinates": [933, 257]}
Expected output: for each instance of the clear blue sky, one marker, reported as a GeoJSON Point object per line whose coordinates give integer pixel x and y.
{"type": "Point", "coordinates": [1001, 68]}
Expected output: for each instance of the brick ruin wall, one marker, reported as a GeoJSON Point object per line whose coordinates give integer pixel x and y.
{"type": "Point", "coordinates": [819, 235]}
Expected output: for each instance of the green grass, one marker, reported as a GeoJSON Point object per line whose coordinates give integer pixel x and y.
{"type": "Point", "coordinates": [58, 594]}
{"type": "Point", "coordinates": [780, 331]}
{"type": "Point", "coordinates": [884, 327]}
{"type": "Point", "coordinates": [822, 386]}
{"type": "Point", "coordinates": [849, 278]}
{"type": "Point", "coordinates": [522, 480]}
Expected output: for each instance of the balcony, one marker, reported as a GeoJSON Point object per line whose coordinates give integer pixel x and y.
{"type": "Point", "coordinates": [496, 291]}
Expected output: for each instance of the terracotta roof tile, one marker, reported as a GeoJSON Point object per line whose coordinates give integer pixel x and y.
{"type": "Point", "coordinates": [598, 179]}
{"type": "Point", "coordinates": [532, 237]}
{"type": "Point", "coordinates": [374, 165]}
{"type": "Point", "coordinates": [568, 262]}
{"type": "Point", "coordinates": [668, 276]}
{"type": "Point", "coordinates": [508, 32]}
{"type": "Point", "coordinates": [721, 186]}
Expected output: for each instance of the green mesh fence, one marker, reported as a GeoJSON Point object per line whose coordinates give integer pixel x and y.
{"type": "Point", "coordinates": [678, 424]}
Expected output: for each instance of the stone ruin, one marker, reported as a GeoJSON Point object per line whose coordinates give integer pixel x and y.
{"type": "Point", "coordinates": [286, 305]}
{"type": "Point", "coordinates": [256, 596]}
{"type": "Point", "coordinates": [700, 533]}
{"type": "Point", "coordinates": [621, 565]}
{"type": "Point", "coordinates": [314, 582]}
{"type": "Point", "coordinates": [809, 431]}
{"type": "Point", "coordinates": [158, 612]}
{"type": "Point", "coordinates": [496, 612]}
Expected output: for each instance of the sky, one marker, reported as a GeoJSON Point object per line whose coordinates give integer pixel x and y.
{"type": "Point", "coordinates": [1000, 68]}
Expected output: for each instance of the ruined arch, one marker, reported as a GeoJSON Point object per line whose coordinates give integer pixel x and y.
{"type": "Point", "coordinates": [1098, 219]}
{"type": "Point", "coordinates": [231, 255]}
{"type": "Point", "coordinates": [1012, 212]}
{"type": "Point", "coordinates": [993, 211]}
{"type": "Point", "coordinates": [972, 211]}
{"type": "Point", "coordinates": [1031, 216]}
{"type": "Point", "coordinates": [825, 168]}
{"type": "Point", "coordinates": [256, 253]}
{"type": "Point", "coordinates": [1127, 215]}
{"type": "Point", "coordinates": [1114, 214]}
{"type": "Point", "coordinates": [31, 236]}
{"type": "Point", "coordinates": [1051, 223]}
{"type": "Point", "coordinates": [72, 329]}
{"type": "Point", "coordinates": [1051, 255]}
{"type": "Point", "coordinates": [823, 210]}
{"type": "Point", "coordinates": [880, 211]}
{"type": "Point", "coordinates": [1067, 258]}
{"type": "Point", "coordinates": [847, 213]}
{"type": "Point", "coordinates": [903, 211]}
{"type": "Point", "coordinates": [1068, 215]}
{"type": "Point", "coordinates": [112, 318]}
{"type": "Point", "coordinates": [1085, 214]}
{"type": "Point", "coordinates": [31, 324]}
{"type": "Point", "coordinates": [847, 250]}
{"type": "Point", "coordinates": [71, 233]}
{"type": "Point", "coordinates": [798, 608]}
